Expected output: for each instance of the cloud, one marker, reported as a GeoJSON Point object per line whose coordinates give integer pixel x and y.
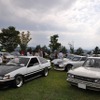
{"type": "Point", "coordinates": [43, 5]}
{"type": "Point", "coordinates": [72, 20]}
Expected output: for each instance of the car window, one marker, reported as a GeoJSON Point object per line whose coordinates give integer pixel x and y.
{"type": "Point", "coordinates": [33, 62]}
{"type": "Point", "coordinates": [76, 59]}
{"type": "Point", "coordinates": [83, 59]}
{"type": "Point", "coordinates": [70, 57]}
{"type": "Point", "coordinates": [92, 63]}
{"type": "Point", "coordinates": [18, 61]}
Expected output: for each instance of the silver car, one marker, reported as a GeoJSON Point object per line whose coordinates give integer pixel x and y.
{"type": "Point", "coordinates": [68, 64]}
{"type": "Point", "coordinates": [86, 76]}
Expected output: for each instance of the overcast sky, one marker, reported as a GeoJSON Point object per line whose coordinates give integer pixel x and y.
{"type": "Point", "coordinates": [75, 21]}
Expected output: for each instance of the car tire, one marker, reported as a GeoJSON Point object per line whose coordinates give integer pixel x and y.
{"type": "Point", "coordinates": [18, 81]}
{"type": "Point", "coordinates": [45, 72]}
{"type": "Point", "coordinates": [68, 67]}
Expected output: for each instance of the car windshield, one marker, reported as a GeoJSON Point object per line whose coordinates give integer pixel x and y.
{"type": "Point", "coordinates": [76, 59]}
{"type": "Point", "coordinates": [92, 63]}
{"type": "Point", "coordinates": [18, 61]}
{"type": "Point", "coordinates": [70, 57]}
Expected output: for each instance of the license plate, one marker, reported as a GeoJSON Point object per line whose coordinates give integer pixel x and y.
{"type": "Point", "coordinates": [83, 86]}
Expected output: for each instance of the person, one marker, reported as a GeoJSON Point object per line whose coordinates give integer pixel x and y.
{"type": "Point", "coordinates": [60, 55]}
{"type": "Point", "coordinates": [22, 53]}
{"type": "Point", "coordinates": [44, 54]}
{"type": "Point", "coordinates": [36, 53]}
{"type": "Point", "coordinates": [4, 59]}
{"type": "Point", "coordinates": [1, 60]}
{"type": "Point", "coordinates": [55, 54]}
{"type": "Point", "coordinates": [28, 54]}
{"type": "Point", "coordinates": [40, 52]}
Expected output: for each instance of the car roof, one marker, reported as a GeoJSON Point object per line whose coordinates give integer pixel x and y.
{"type": "Point", "coordinates": [94, 57]}
{"type": "Point", "coordinates": [78, 56]}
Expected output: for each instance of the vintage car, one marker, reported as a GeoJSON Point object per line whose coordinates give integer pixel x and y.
{"type": "Point", "coordinates": [86, 76]}
{"type": "Point", "coordinates": [23, 68]}
{"type": "Point", "coordinates": [56, 61]}
{"type": "Point", "coordinates": [6, 56]}
{"type": "Point", "coordinates": [68, 64]}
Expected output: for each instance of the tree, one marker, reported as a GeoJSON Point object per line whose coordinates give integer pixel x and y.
{"type": "Point", "coordinates": [29, 50]}
{"type": "Point", "coordinates": [96, 50]}
{"type": "Point", "coordinates": [54, 44]}
{"type": "Point", "coordinates": [37, 47]}
{"type": "Point", "coordinates": [71, 45]}
{"type": "Point", "coordinates": [9, 38]}
{"type": "Point", "coordinates": [79, 51]}
{"type": "Point", "coordinates": [45, 49]}
{"type": "Point", "coordinates": [24, 40]}
{"type": "Point", "coordinates": [63, 49]}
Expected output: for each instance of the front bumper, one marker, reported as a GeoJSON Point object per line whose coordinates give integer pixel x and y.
{"type": "Point", "coordinates": [6, 82]}
{"type": "Point", "coordinates": [88, 85]}
{"type": "Point", "coordinates": [57, 67]}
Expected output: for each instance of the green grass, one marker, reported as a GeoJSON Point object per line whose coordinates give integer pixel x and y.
{"type": "Point", "coordinates": [53, 87]}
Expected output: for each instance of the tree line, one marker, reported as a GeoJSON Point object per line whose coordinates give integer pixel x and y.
{"type": "Point", "coordinates": [10, 38]}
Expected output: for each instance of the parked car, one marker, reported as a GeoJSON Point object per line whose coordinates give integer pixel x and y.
{"type": "Point", "coordinates": [7, 55]}
{"type": "Point", "coordinates": [23, 68]}
{"type": "Point", "coordinates": [15, 53]}
{"type": "Point", "coordinates": [68, 64]}
{"type": "Point", "coordinates": [65, 59]}
{"type": "Point", "coordinates": [87, 76]}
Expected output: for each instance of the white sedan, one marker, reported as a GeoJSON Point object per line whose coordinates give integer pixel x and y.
{"type": "Point", "coordinates": [23, 68]}
{"type": "Point", "coordinates": [86, 76]}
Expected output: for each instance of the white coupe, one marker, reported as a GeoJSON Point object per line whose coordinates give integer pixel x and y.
{"type": "Point", "coordinates": [68, 64]}
{"type": "Point", "coordinates": [23, 68]}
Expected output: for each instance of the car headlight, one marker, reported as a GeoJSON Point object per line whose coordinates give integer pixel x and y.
{"type": "Point", "coordinates": [70, 76]}
{"type": "Point", "coordinates": [1, 77]}
{"type": "Point", "coordinates": [97, 80]}
{"type": "Point", "coordinates": [6, 77]}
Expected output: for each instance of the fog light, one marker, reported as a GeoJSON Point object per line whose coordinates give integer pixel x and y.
{"type": "Point", "coordinates": [6, 77]}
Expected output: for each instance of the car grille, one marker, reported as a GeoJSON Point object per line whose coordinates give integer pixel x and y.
{"type": "Point", "coordinates": [84, 78]}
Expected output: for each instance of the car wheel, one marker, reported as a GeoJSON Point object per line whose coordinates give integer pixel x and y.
{"type": "Point", "coordinates": [18, 81]}
{"type": "Point", "coordinates": [45, 72]}
{"type": "Point", "coordinates": [68, 67]}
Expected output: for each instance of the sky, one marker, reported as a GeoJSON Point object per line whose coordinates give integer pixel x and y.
{"type": "Point", "coordinates": [76, 22]}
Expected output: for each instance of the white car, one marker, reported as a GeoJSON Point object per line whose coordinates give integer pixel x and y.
{"type": "Point", "coordinates": [86, 76]}
{"type": "Point", "coordinates": [58, 60]}
{"type": "Point", "coordinates": [7, 55]}
{"type": "Point", "coordinates": [23, 68]}
{"type": "Point", "coordinates": [68, 64]}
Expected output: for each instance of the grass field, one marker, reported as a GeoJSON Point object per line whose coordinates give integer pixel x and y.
{"type": "Point", "coordinates": [53, 87]}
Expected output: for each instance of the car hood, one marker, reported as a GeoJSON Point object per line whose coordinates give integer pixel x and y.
{"type": "Point", "coordinates": [56, 60]}
{"type": "Point", "coordinates": [7, 69]}
{"type": "Point", "coordinates": [70, 62]}
{"type": "Point", "coordinates": [86, 72]}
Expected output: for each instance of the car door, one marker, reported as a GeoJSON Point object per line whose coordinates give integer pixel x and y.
{"type": "Point", "coordinates": [33, 66]}
{"type": "Point", "coordinates": [79, 62]}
